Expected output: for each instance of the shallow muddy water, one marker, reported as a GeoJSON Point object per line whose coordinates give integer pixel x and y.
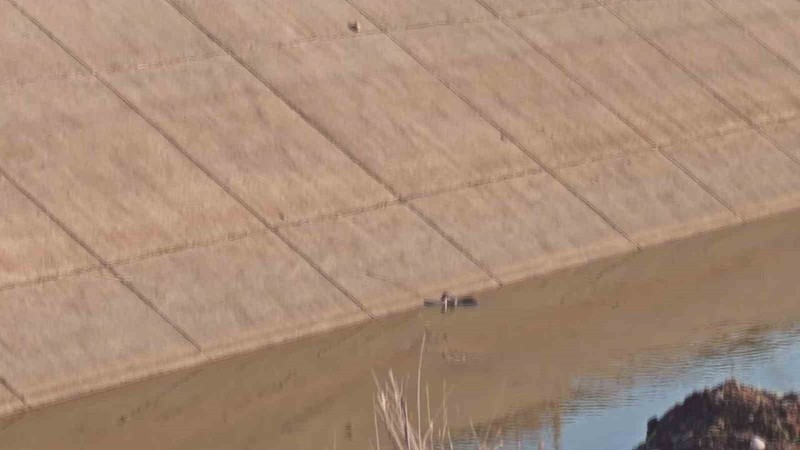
{"type": "Point", "coordinates": [610, 414]}
{"type": "Point", "coordinates": [577, 360]}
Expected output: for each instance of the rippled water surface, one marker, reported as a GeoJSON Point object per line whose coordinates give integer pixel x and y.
{"type": "Point", "coordinates": [611, 413]}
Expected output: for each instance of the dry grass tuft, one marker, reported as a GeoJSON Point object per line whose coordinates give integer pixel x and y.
{"type": "Point", "coordinates": [391, 410]}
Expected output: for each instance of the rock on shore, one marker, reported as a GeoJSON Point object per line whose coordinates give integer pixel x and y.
{"type": "Point", "coordinates": [731, 416]}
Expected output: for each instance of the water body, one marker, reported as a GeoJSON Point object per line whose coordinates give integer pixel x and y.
{"type": "Point", "coordinates": [577, 360]}
{"type": "Point", "coordinates": [609, 414]}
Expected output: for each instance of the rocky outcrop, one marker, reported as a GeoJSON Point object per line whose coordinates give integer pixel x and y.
{"type": "Point", "coordinates": [731, 416]}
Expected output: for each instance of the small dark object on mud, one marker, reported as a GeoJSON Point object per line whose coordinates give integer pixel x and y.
{"type": "Point", "coordinates": [731, 416]}
{"type": "Point", "coordinates": [354, 26]}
